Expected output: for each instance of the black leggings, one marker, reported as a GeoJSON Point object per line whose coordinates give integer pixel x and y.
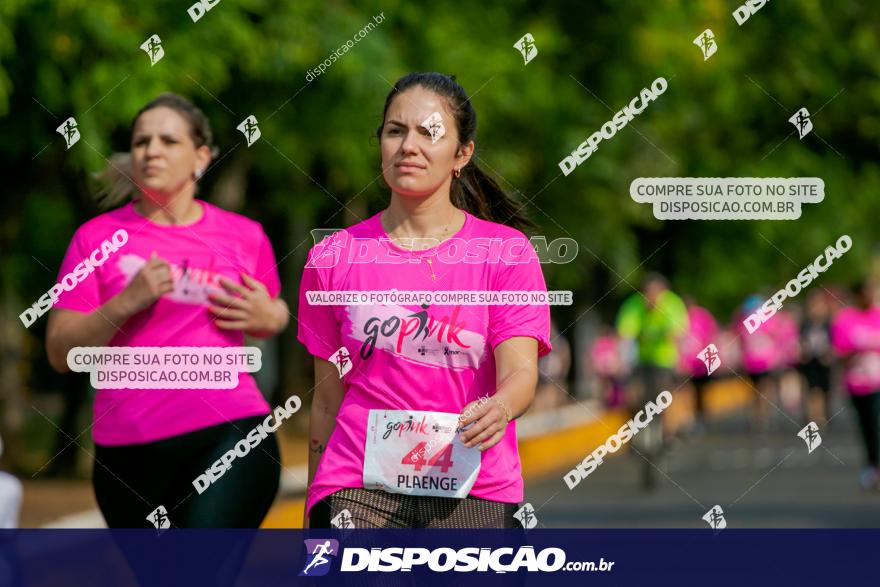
{"type": "Point", "coordinates": [868, 411]}
{"type": "Point", "coordinates": [374, 508]}
{"type": "Point", "coordinates": [131, 481]}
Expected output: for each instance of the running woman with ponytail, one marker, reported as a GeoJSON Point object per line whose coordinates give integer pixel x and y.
{"type": "Point", "coordinates": [190, 274]}
{"type": "Point", "coordinates": [419, 431]}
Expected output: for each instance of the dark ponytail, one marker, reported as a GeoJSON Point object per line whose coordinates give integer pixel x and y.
{"type": "Point", "coordinates": [474, 191]}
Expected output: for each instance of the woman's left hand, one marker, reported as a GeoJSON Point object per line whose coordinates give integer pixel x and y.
{"type": "Point", "coordinates": [490, 422]}
{"type": "Point", "coordinates": [253, 311]}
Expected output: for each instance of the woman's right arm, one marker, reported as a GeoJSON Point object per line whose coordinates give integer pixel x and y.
{"type": "Point", "coordinates": [68, 329]}
{"type": "Point", "coordinates": [329, 392]}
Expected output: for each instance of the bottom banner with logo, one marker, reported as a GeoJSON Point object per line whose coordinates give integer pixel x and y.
{"type": "Point", "coordinates": [572, 557]}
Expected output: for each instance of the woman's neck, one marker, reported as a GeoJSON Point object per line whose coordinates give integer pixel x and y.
{"type": "Point", "coordinates": [429, 217]}
{"type": "Point", "coordinates": [179, 210]}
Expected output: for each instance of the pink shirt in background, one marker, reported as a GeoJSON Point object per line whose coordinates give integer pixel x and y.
{"type": "Point", "coordinates": [702, 330]}
{"type": "Point", "coordinates": [758, 349]}
{"type": "Point", "coordinates": [785, 332]}
{"type": "Point", "coordinates": [857, 332]}
{"type": "Point", "coordinates": [220, 243]}
{"type": "Point", "coordinates": [605, 356]}
{"type": "Point", "coordinates": [773, 346]}
{"type": "Point", "coordinates": [395, 364]}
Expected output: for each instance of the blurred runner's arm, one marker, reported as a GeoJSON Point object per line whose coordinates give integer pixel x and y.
{"type": "Point", "coordinates": [68, 328]}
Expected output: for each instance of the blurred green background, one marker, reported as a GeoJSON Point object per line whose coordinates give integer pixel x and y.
{"type": "Point", "coordinates": [727, 116]}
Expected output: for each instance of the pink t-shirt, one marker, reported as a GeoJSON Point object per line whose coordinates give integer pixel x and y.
{"type": "Point", "coordinates": [857, 332]}
{"type": "Point", "coordinates": [605, 356]}
{"type": "Point", "coordinates": [393, 367]}
{"type": "Point", "coordinates": [702, 330]}
{"type": "Point", "coordinates": [773, 346]}
{"type": "Point", "coordinates": [219, 243]}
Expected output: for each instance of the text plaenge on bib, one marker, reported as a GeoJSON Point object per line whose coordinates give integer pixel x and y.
{"type": "Point", "coordinates": [418, 453]}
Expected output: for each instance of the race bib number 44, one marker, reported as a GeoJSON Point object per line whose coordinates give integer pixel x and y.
{"type": "Point", "coordinates": [418, 453]}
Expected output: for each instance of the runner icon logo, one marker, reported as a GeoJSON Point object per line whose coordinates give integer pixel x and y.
{"type": "Point", "coordinates": [342, 520]}
{"type": "Point", "coordinates": [526, 516]}
{"type": "Point", "coordinates": [249, 129]}
{"type": "Point", "coordinates": [706, 43]}
{"type": "Point", "coordinates": [70, 131]}
{"type": "Point", "coordinates": [526, 46]}
{"type": "Point", "coordinates": [434, 125]}
{"type": "Point", "coordinates": [153, 48]}
{"type": "Point", "coordinates": [159, 518]}
{"type": "Point", "coordinates": [710, 358]}
{"type": "Point", "coordinates": [801, 121]}
{"type": "Point", "coordinates": [320, 552]}
{"type": "Point", "coordinates": [715, 518]}
{"type": "Point", "coordinates": [810, 434]}
{"type": "Point", "coordinates": [342, 360]}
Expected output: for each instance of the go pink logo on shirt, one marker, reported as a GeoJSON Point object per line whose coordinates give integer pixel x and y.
{"type": "Point", "coordinates": [191, 284]}
{"type": "Point", "coordinates": [429, 340]}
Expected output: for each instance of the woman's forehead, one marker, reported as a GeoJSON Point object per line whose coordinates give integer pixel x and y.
{"type": "Point", "coordinates": [161, 120]}
{"type": "Point", "coordinates": [416, 104]}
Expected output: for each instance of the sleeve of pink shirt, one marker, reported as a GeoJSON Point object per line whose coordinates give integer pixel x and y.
{"type": "Point", "coordinates": [86, 296]}
{"type": "Point", "coordinates": [507, 321]}
{"type": "Point", "coordinates": [318, 329]}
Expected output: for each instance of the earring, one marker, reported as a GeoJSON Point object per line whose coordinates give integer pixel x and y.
{"type": "Point", "coordinates": [199, 173]}
{"type": "Point", "coordinates": [457, 173]}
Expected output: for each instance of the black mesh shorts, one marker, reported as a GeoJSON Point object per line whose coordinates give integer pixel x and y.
{"type": "Point", "coordinates": [374, 508]}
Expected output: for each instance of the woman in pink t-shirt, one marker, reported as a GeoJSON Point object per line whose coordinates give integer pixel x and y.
{"type": "Point", "coordinates": [855, 336]}
{"type": "Point", "coordinates": [702, 331]}
{"type": "Point", "coordinates": [397, 379]}
{"type": "Point", "coordinates": [176, 272]}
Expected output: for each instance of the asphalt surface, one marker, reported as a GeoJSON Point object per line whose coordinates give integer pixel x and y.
{"type": "Point", "coordinates": [760, 480]}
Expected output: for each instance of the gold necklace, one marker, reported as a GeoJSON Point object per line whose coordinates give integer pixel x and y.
{"type": "Point", "coordinates": [428, 259]}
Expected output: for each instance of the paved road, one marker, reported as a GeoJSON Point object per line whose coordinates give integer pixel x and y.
{"type": "Point", "coordinates": [759, 480]}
